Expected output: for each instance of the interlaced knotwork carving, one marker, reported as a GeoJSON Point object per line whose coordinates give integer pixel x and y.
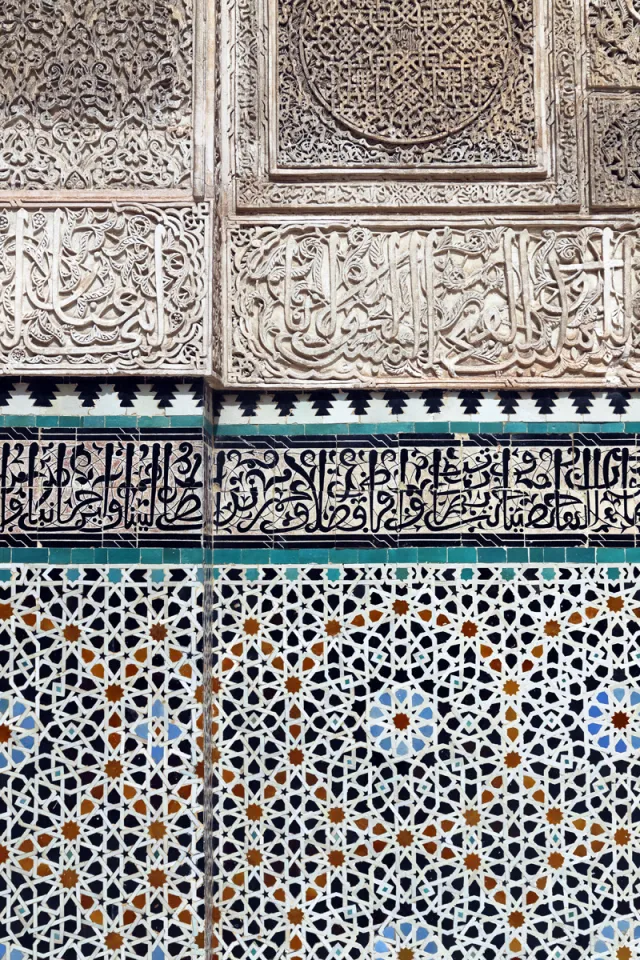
{"type": "Point", "coordinates": [390, 82]}
{"type": "Point", "coordinates": [621, 148]}
{"type": "Point", "coordinates": [615, 150]}
{"type": "Point", "coordinates": [95, 94]}
{"type": "Point", "coordinates": [401, 71]}
{"type": "Point", "coordinates": [289, 152]}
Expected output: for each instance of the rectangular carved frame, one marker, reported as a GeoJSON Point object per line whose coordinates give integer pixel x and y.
{"type": "Point", "coordinates": [253, 181]}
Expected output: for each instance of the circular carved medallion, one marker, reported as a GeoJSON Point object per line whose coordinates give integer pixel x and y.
{"type": "Point", "coordinates": [405, 71]}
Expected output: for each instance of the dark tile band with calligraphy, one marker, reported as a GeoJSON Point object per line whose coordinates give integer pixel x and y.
{"type": "Point", "coordinates": [407, 490]}
{"type": "Point", "coordinates": [101, 487]}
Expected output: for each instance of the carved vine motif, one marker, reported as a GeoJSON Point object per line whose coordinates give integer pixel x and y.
{"type": "Point", "coordinates": [115, 289]}
{"type": "Point", "coordinates": [447, 304]}
{"type": "Point", "coordinates": [400, 74]}
{"type": "Point", "coordinates": [95, 94]}
{"type": "Point", "coordinates": [614, 42]}
{"type": "Point", "coordinates": [615, 150]}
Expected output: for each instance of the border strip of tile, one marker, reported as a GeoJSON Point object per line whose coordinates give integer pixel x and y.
{"type": "Point", "coordinates": [489, 556]}
{"type": "Point", "coordinates": [96, 556]}
{"type": "Point", "coordinates": [552, 427]}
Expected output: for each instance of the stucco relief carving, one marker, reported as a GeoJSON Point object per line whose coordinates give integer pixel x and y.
{"type": "Point", "coordinates": [95, 95]}
{"type": "Point", "coordinates": [525, 304]}
{"type": "Point", "coordinates": [311, 123]}
{"type": "Point", "coordinates": [398, 83]}
{"type": "Point", "coordinates": [614, 43]}
{"type": "Point", "coordinates": [615, 150]}
{"type": "Point", "coordinates": [114, 289]}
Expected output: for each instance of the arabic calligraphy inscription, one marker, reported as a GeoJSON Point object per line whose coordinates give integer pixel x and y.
{"type": "Point", "coordinates": [408, 490]}
{"type": "Point", "coordinates": [449, 304]}
{"type": "Point", "coordinates": [112, 289]}
{"type": "Point", "coordinates": [100, 487]}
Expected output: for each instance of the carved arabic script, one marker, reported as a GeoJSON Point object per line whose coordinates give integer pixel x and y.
{"type": "Point", "coordinates": [434, 305]}
{"type": "Point", "coordinates": [407, 491]}
{"type": "Point", "coordinates": [121, 289]}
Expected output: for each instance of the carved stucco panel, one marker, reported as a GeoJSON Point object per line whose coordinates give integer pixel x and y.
{"type": "Point", "coordinates": [448, 306]}
{"type": "Point", "coordinates": [259, 122]}
{"type": "Point", "coordinates": [614, 43]}
{"type": "Point", "coordinates": [112, 289]}
{"type": "Point", "coordinates": [96, 94]}
{"type": "Point", "coordinates": [614, 128]}
{"type": "Point", "coordinates": [402, 84]}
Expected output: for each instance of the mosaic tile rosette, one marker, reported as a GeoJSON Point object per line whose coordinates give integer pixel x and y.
{"type": "Point", "coordinates": [507, 831]}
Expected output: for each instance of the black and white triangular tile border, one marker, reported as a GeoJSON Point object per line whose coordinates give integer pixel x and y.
{"type": "Point", "coordinates": [361, 406]}
{"type": "Point", "coordinates": [101, 397]}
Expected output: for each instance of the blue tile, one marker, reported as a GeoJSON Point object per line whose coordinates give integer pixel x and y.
{"type": "Point", "coordinates": [554, 554]}
{"type": "Point", "coordinates": [191, 556]}
{"type": "Point", "coordinates": [465, 426]}
{"type": "Point", "coordinates": [403, 555]}
{"type": "Point", "coordinates": [432, 555]}
{"type": "Point", "coordinates": [581, 554]}
{"type": "Point", "coordinates": [610, 555]}
{"type": "Point", "coordinates": [82, 555]}
{"type": "Point", "coordinates": [517, 555]}
{"type": "Point", "coordinates": [492, 555]}
{"type": "Point", "coordinates": [120, 421]}
{"type": "Point", "coordinates": [30, 555]}
{"type": "Point", "coordinates": [428, 426]}
{"type": "Point", "coordinates": [250, 556]}
{"type": "Point", "coordinates": [157, 422]}
{"type": "Point", "coordinates": [14, 421]}
{"type": "Point", "coordinates": [150, 555]}
{"type": "Point", "coordinates": [372, 556]}
{"type": "Point", "coordinates": [60, 555]}
{"type": "Point", "coordinates": [123, 555]}
{"type": "Point", "coordinates": [185, 421]}
{"type": "Point", "coordinates": [462, 554]}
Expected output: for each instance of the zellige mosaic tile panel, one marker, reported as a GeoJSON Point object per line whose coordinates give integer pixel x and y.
{"type": "Point", "coordinates": [101, 763]}
{"type": "Point", "coordinates": [422, 761]}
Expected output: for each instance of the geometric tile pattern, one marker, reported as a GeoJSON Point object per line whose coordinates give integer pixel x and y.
{"type": "Point", "coordinates": [435, 761]}
{"type": "Point", "coordinates": [101, 763]}
{"type": "Point", "coordinates": [169, 396]}
{"type": "Point", "coordinates": [371, 406]}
